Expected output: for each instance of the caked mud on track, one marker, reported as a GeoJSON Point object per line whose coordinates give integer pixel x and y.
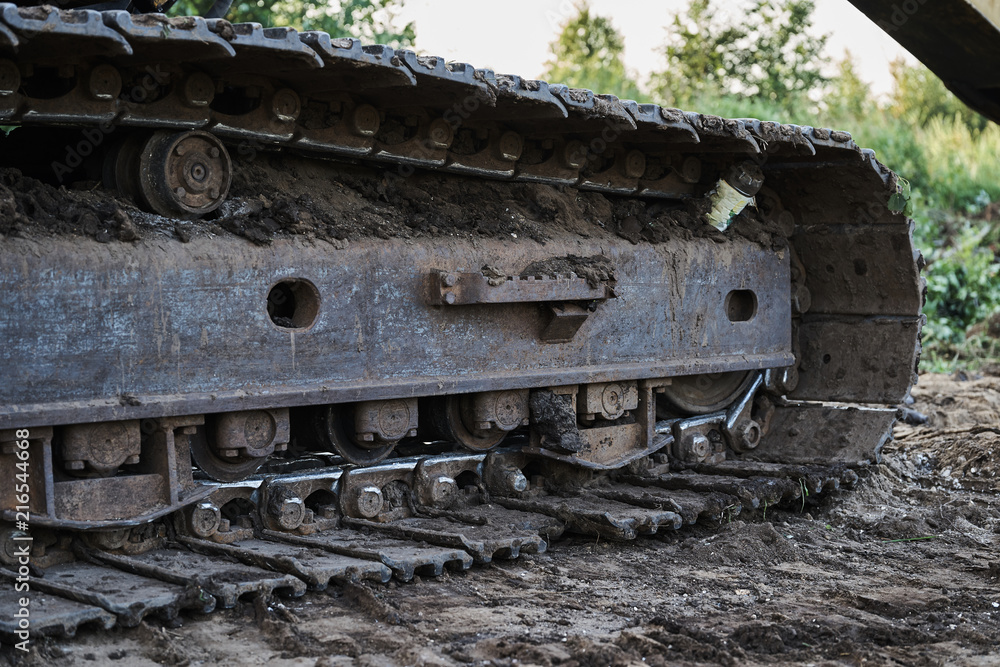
{"type": "Point", "coordinates": [306, 314]}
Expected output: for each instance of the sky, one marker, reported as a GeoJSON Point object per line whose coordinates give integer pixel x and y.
{"type": "Point", "coordinates": [512, 36]}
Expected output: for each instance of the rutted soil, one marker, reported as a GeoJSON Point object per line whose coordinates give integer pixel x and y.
{"type": "Point", "coordinates": [902, 570]}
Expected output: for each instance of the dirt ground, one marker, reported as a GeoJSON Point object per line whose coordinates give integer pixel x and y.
{"type": "Point", "coordinates": [904, 569]}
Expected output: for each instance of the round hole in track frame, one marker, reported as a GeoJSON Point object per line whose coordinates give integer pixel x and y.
{"type": "Point", "coordinates": [293, 303]}
{"type": "Point", "coordinates": [741, 305]}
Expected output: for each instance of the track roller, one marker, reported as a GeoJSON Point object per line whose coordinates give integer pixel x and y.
{"type": "Point", "coordinates": [706, 393]}
{"type": "Point", "coordinates": [479, 421]}
{"type": "Point", "coordinates": [367, 432]}
{"type": "Point", "coordinates": [175, 174]}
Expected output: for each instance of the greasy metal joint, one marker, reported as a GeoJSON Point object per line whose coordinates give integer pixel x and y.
{"type": "Point", "coordinates": [203, 519]}
{"type": "Point", "coordinates": [198, 90]}
{"type": "Point", "coordinates": [385, 421]}
{"type": "Point", "coordinates": [367, 501]}
{"type": "Point", "coordinates": [104, 82]}
{"type": "Point", "coordinates": [99, 449]}
{"type": "Point", "coordinates": [286, 105]}
{"type": "Point", "coordinates": [365, 120]}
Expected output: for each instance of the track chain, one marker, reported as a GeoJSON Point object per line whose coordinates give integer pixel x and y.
{"type": "Point", "coordinates": [98, 588]}
{"type": "Point", "coordinates": [314, 94]}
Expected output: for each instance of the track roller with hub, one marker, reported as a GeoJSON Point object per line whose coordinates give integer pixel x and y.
{"type": "Point", "coordinates": [479, 421]}
{"type": "Point", "coordinates": [175, 174]}
{"type": "Point", "coordinates": [367, 432]}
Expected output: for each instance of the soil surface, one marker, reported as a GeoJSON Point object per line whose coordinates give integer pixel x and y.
{"type": "Point", "coordinates": [901, 570]}
{"type": "Point", "coordinates": [317, 199]}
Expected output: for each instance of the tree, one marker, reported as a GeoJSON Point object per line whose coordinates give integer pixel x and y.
{"type": "Point", "coordinates": [763, 51]}
{"type": "Point", "coordinates": [372, 21]}
{"type": "Point", "coordinates": [849, 96]}
{"type": "Point", "coordinates": [589, 54]}
{"type": "Point", "coordinates": [919, 96]}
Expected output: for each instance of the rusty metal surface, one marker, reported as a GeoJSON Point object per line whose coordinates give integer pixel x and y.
{"type": "Point", "coordinates": [832, 369]}
{"type": "Point", "coordinates": [259, 365]}
{"type": "Point", "coordinates": [180, 310]}
{"type": "Point", "coordinates": [457, 289]}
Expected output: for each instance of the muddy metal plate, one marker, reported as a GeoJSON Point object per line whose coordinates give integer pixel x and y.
{"type": "Point", "coordinates": [94, 332]}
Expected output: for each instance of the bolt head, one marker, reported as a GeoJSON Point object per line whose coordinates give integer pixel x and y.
{"type": "Point", "coordinates": [289, 513]}
{"type": "Point", "coordinates": [199, 90]}
{"type": "Point", "coordinates": [365, 121]}
{"type": "Point", "coordinates": [574, 154]}
{"type": "Point", "coordinates": [515, 481]}
{"type": "Point", "coordinates": [697, 446]}
{"type": "Point", "coordinates": [368, 501]}
{"type": "Point", "coordinates": [204, 520]}
{"type": "Point", "coordinates": [511, 145]}
{"type": "Point", "coordinates": [285, 105]}
{"type": "Point", "coordinates": [440, 134]}
{"type": "Point", "coordinates": [104, 82]}
{"type": "Point", "coordinates": [749, 435]}
{"type": "Point", "coordinates": [635, 164]}
{"type": "Point", "coordinates": [443, 490]}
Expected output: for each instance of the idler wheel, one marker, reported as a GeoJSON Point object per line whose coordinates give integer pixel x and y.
{"type": "Point", "coordinates": [702, 394]}
{"type": "Point", "coordinates": [449, 419]}
{"type": "Point", "coordinates": [175, 174]}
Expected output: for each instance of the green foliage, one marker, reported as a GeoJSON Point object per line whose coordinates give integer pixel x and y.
{"type": "Point", "coordinates": [589, 54]}
{"type": "Point", "coordinates": [372, 21]}
{"type": "Point", "coordinates": [963, 289]}
{"type": "Point", "coordinates": [919, 97]}
{"type": "Point", "coordinates": [848, 95]}
{"type": "Point", "coordinates": [766, 54]}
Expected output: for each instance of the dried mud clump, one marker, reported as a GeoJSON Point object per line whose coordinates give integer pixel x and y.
{"type": "Point", "coordinates": [29, 206]}
{"type": "Point", "coordinates": [279, 196]}
{"type": "Point", "coordinates": [740, 542]}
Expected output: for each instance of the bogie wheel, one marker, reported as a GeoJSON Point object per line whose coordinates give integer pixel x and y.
{"type": "Point", "coordinates": [706, 393]}
{"type": "Point", "coordinates": [335, 426]}
{"type": "Point", "coordinates": [444, 416]}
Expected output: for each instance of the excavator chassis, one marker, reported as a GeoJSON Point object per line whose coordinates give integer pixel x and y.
{"type": "Point", "coordinates": [396, 403]}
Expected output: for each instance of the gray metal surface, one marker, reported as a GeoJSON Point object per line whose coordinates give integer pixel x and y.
{"type": "Point", "coordinates": [83, 343]}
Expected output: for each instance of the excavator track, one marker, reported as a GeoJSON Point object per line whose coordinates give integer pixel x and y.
{"type": "Point", "coordinates": [713, 369]}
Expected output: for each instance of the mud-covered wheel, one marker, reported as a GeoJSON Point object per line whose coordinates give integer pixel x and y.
{"type": "Point", "coordinates": [184, 174]}
{"type": "Point", "coordinates": [217, 467]}
{"type": "Point", "coordinates": [705, 393]}
{"type": "Point", "coordinates": [444, 416]}
{"type": "Point", "coordinates": [175, 174]}
{"type": "Point", "coordinates": [335, 427]}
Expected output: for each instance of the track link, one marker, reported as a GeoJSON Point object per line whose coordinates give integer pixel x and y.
{"type": "Point", "coordinates": [855, 315]}
{"type": "Point", "coordinates": [181, 574]}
